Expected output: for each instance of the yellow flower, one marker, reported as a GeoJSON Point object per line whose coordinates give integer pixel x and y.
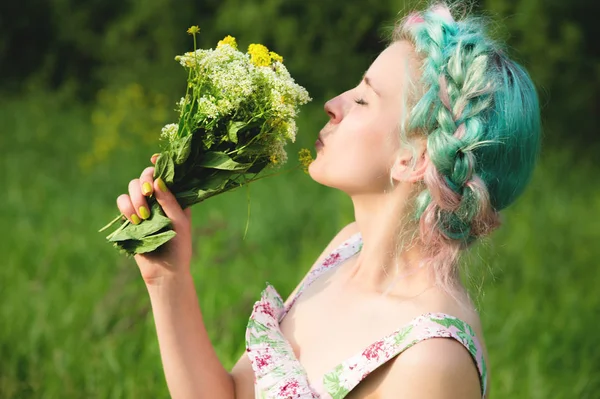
{"type": "Point", "coordinates": [273, 159]}
{"type": "Point", "coordinates": [192, 30]}
{"type": "Point", "coordinates": [228, 40]}
{"type": "Point", "coordinates": [276, 57]}
{"type": "Point", "coordinates": [259, 55]}
{"type": "Point", "coordinates": [305, 158]}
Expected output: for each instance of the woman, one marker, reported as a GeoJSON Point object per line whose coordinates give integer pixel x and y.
{"type": "Point", "coordinates": [441, 134]}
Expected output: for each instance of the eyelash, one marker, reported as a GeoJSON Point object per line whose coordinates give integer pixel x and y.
{"type": "Point", "coordinates": [360, 101]}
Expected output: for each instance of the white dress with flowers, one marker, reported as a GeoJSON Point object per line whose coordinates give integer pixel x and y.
{"type": "Point", "coordinates": [279, 374]}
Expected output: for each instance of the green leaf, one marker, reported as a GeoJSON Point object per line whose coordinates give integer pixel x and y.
{"type": "Point", "coordinates": [187, 109]}
{"type": "Point", "coordinates": [155, 223]}
{"type": "Point", "coordinates": [232, 130]}
{"type": "Point", "coordinates": [220, 160]}
{"type": "Point", "coordinates": [147, 244]}
{"type": "Point", "coordinates": [191, 197]}
{"type": "Point", "coordinates": [182, 152]}
{"type": "Point", "coordinates": [217, 181]}
{"type": "Point", "coordinates": [165, 168]}
{"type": "Point", "coordinates": [196, 195]}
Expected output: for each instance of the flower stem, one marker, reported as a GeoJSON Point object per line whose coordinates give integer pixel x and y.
{"type": "Point", "coordinates": [115, 220]}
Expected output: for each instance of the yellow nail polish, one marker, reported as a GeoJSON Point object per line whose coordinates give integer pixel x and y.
{"type": "Point", "coordinates": [135, 219]}
{"type": "Point", "coordinates": [161, 185]}
{"type": "Point", "coordinates": [144, 213]}
{"type": "Point", "coordinates": [146, 188]}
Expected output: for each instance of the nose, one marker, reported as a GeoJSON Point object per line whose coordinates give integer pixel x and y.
{"type": "Point", "coordinates": [334, 109]}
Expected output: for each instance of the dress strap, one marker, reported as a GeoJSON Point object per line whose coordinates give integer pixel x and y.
{"type": "Point", "coordinates": [347, 375]}
{"type": "Point", "coordinates": [278, 373]}
{"type": "Point", "coordinates": [344, 251]}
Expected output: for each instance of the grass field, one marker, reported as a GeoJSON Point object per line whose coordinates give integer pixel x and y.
{"type": "Point", "coordinates": [74, 315]}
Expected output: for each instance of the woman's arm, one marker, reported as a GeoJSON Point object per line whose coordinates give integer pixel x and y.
{"type": "Point", "coordinates": [190, 363]}
{"type": "Point", "coordinates": [191, 366]}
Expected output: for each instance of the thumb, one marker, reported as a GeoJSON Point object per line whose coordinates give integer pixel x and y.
{"type": "Point", "coordinates": [169, 204]}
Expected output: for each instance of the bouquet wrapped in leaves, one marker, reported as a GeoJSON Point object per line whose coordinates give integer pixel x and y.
{"type": "Point", "coordinates": [237, 115]}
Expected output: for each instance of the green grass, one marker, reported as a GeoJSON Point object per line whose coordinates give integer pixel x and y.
{"type": "Point", "coordinates": [75, 319]}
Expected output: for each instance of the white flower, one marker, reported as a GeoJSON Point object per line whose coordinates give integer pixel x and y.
{"type": "Point", "coordinates": [291, 130]}
{"type": "Point", "coordinates": [192, 58]}
{"type": "Point", "coordinates": [226, 84]}
{"type": "Point", "coordinates": [207, 107]}
{"type": "Point", "coordinates": [277, 151]}
{"type": "Point", "coordinates": [180, 104]}
{"type": "Point", "coordinates": [169, 132]}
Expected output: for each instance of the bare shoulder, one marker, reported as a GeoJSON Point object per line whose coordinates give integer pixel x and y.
{"type": "Point", "coordinates": [437, 368]}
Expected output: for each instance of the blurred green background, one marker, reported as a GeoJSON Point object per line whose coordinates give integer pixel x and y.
{"type": "Point", "coordinates": [85, 88]}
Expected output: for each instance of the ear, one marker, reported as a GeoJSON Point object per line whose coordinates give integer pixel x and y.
{"type": "Point", "coordinates": [403, 168]}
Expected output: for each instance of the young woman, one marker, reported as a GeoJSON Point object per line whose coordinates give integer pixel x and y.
{"type": "Point", "coordinates": [440, 135]}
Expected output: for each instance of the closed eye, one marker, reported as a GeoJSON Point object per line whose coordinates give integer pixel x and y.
{"type": "Point", "coordinates": [360, 101]}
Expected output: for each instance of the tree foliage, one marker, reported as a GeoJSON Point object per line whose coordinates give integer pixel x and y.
{"type": "Point", "coordinates": [97, 44]}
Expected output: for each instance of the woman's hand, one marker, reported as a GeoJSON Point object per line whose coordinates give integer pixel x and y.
{"type": "Point", "coordinates": [174, 257]}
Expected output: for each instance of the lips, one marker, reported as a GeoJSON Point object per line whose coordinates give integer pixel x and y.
{"type": "Point", "coordinates": [320, 138]}
{"type": "Point", "coordinates": [319, 143]}
{"type": "Point", "coordinates": [324, 132]}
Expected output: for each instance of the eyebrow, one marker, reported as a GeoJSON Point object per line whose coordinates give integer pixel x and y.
{"type": "Point", "coordinates": [368, 83]}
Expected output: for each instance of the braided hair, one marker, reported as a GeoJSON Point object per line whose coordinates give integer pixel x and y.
{"type": "Point", "coordinates": [480, 113]}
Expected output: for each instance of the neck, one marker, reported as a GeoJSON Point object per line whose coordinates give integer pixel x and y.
{"type": "Point", "coordinates": [384, 220]}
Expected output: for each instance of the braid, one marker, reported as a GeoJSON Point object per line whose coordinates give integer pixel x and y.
{"type": "Point", "coordinates": [455, 61]}
{"type": "Point", "coordinates": [480, 113]}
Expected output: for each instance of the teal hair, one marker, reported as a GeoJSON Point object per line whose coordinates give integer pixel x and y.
{"type": "Point", "coordinates": [481, 115]}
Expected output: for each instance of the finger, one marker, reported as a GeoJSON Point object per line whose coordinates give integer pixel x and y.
{"type": "Point", "coordinates": [169, 204]}
{"type": "Point", "coordinates": [138, 200]}
{"type": "Point", "coordinates": [147, 181]}
{"type": "Point", "coordinates": [154, 157]}
{"type": "Point", "coordinates": [126, 207]}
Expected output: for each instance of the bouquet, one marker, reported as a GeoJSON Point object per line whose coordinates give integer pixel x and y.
{"type": "Point", "coordinates": [237, 114]}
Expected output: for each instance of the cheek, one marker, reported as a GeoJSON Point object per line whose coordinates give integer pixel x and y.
{"type": "Point", "coordinates": [355, 158]}
{"type": "Point", "coordinates": [369, 142]}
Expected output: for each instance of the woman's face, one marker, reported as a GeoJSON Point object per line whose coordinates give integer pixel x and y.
{"type": "Point", "coordinates": [360, 141]}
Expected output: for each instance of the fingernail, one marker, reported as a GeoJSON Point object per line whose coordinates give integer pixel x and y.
{"type": "Point", "coordinates": [144, 213]}
{"type": "Point", "coordinates": [146, 188]}
{"type": "Point", "coordinates": [161, 185]}
{"type": "Point", "coordinates": [135, 219]}
{"type": "Point", "coordinates": [154, 156]}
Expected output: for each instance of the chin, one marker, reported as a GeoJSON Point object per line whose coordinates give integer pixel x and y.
{"type": "Point", "coordinates": [319, 173]}
{"type": "Point", "coordinates": [346, 178]}
{"type": "Point", "coordinates": [313, 171]}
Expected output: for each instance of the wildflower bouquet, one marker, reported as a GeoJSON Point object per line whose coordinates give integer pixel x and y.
{"type": "Point", "coordinates": [236, 116]}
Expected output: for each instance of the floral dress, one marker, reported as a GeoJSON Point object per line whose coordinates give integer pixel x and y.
{"type": "Point", "coordinates": [279, 374]}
